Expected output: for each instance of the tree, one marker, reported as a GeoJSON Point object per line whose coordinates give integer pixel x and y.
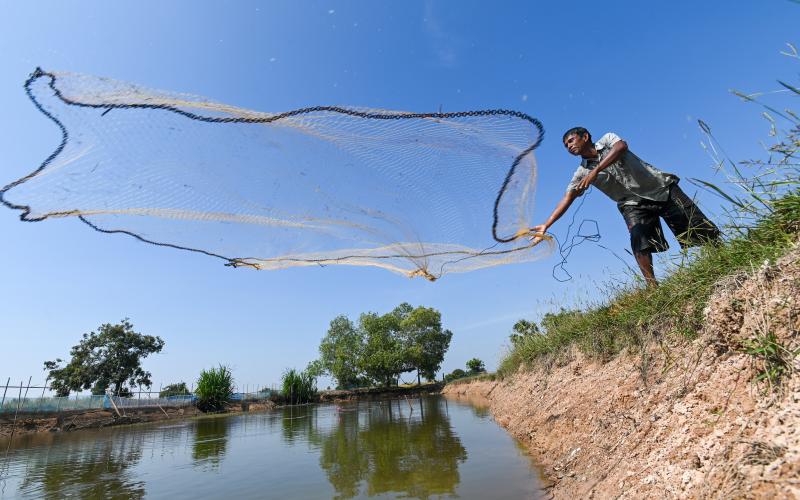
{"type": "Point", "coordinates": [340, 351]}
{"type": "Point", "coordinates": [178, 389]}
{"type": "Point", "coordinates": [426, 342]}
{"type": "Point", "coordinates": [523, 329]}
{"type": "Point", "coordinates": [315, 368]}
{"type": "Point", "coordinates": [381, 347]}
{"type": "Point", "coordinates": [475, 366]}
{"type": "Point", "coordinates": [110, 357]}
{"type": "Point", "coordinates": [383, 357]}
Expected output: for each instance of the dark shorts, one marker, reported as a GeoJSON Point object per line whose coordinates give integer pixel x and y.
{"type": "Point", "coordinates": [689, 225]}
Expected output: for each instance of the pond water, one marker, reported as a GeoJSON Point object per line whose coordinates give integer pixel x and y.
{"type": "Point", "coordinates": [426, 447]}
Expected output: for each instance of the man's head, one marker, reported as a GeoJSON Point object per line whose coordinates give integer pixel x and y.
{"type": "Point", "coordinates": [578, 141]}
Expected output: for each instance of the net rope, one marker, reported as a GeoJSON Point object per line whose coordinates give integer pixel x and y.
{"type": "Point", "coordinates": [422, 194]}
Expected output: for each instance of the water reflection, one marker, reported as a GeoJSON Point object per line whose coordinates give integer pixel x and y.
{"type": "Point", "coordinates": [210, 441]}
{"type": "Point", "coordinates": [392, 447]}
{"type": "Point", "coordinates": [86, 469]}
{"type": "Point", "coordinates": [402, 448]}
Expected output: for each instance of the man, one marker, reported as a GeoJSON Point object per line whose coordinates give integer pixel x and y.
{"type": "Point", "coordinates": [642, 192]}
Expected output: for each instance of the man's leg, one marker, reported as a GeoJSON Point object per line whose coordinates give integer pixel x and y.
{"type": "Point", "coordinates": [686, 221]}
{"type": "Point", "coordinates": [645, 261]}
{"type": "Point", "coordinates": [646, 236]}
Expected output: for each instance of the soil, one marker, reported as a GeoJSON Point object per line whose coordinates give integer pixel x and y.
{"type": "Point", "coordinates": [676, 420]}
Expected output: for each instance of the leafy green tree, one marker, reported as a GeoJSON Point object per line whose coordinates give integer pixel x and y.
{"type": "Point", "coordinates": [425, 341]}
{"type": "Point", "coordinates": [381, 347]}
{"type": "Point", "coordinates": [340, 352]}
{"type": "Point", "coordinates": [522, 330]}
{"type": "Point", "coordinates": [178, 389]}
{"type": "Point", "coordinates": [475, 366]}
{"type": "Point", "coordinates": [315, 368]}
{"type": "Point", "coordinates": [384, 356]}
{"type": "Point", "coordinates": [110, 357]}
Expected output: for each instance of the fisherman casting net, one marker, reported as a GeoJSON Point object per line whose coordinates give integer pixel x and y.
{"type": "Point", "coordinates": [422, 194]}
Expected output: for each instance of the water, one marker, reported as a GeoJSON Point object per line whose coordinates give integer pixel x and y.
{"type": "Point", "coordinates": [382, 449]}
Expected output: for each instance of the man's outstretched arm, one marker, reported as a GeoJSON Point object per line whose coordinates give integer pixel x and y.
{"type": "Point", "coordinates": [562, 207]}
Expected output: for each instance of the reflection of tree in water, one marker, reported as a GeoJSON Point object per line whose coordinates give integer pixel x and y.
{"type": "Point", "coordinates": [87, 469]}
{"type": "Point", "coordinates": [393, 450]}
{"type": "Point", "coordinates": [210, 441]}
{"type": "Point", "coordinates": [297, 422]}
{"type": "Point", "coordinates": [342, 455]}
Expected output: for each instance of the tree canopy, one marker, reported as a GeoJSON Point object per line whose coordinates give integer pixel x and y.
{"type": "Point", "coordinates": [475, 366]}
{"type": "Point", "coordinates": [340, 351]}
{"type": "Point", "coordinates": [522, 330]}
{"type": "Point", "coordinates": [381, 347]}
{"type": "Point", "coordinates": [108, 358]}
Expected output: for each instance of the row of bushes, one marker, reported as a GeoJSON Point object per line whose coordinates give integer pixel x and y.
{"type": "Point", "coordinates": [215, 388]}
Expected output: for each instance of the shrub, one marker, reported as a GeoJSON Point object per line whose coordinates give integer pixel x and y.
{"type": "Point", "coordinates": [178, 389]}
{"type": "Point", "coordinates": [214, 389]}
{"type": "Point", "coordinates": [454, 375]}
{"type": "Point", "coordinates": [299, 387]}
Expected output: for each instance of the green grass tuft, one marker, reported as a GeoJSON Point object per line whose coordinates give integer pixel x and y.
{"type": "Point", "coordinates": [214, 389]}
{"type": "Point", "coordinates": [299, 387]}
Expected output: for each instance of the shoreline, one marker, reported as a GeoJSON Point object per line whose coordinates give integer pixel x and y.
{"type": "Point", "coordinates": [75, 420]}
{"type": "Point", "coordinates": [677, 418]}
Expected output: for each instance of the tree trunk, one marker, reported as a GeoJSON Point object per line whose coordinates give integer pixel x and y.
{"type": "Point", "coordinates": [418, 381]}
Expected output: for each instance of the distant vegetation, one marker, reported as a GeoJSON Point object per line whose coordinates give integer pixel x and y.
{"type": "Point", "coordinates": [214, 389]}
{"type": "Point", "coordinates": [475, 367]}
{"type": "Point", "coordinates": [178, 389]}
{"type": "Point", "coordinates": [379, 348]}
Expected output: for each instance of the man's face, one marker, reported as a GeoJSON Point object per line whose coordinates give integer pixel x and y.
{"type": "Point", "coordinates": [576, 144]}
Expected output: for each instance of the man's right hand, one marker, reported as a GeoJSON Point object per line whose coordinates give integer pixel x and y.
{"type": "Point", "coordinates": [537, 231]}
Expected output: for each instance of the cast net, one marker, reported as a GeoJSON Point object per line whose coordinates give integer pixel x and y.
{"type": "Point", "coordinates": [423, 194]}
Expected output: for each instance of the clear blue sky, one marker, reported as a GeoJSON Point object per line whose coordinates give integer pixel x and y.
{"type": "Point", "coordinates": [645, 71]}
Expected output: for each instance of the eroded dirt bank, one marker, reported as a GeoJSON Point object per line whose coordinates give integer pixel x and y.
{"type": "Point", "coordinates": [683, 420]}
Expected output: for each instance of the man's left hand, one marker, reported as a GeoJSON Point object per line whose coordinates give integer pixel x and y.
{"type": "Point", "coordinates": [584, 184]}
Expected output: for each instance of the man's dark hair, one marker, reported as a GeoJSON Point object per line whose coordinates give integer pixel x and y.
{"type": "Point", "coordinates": [579, 131]}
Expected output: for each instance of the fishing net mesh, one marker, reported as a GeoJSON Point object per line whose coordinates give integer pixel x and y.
{"type": "Point", "coordinates": [423, 194]}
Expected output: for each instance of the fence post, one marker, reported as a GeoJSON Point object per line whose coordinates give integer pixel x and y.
{"type": "Point", "coordinates": [111, 398]}
{"type": "Point", "coordinates": [14, 425]}
{"type": "Point", "coordinates": [26, 390]}
{"type": "Point", "coordinates": [4, 394]}
{"type": "Point", "coordinates": [39, 406]}
{"type": "Point", "coordinates": [19, 400]}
